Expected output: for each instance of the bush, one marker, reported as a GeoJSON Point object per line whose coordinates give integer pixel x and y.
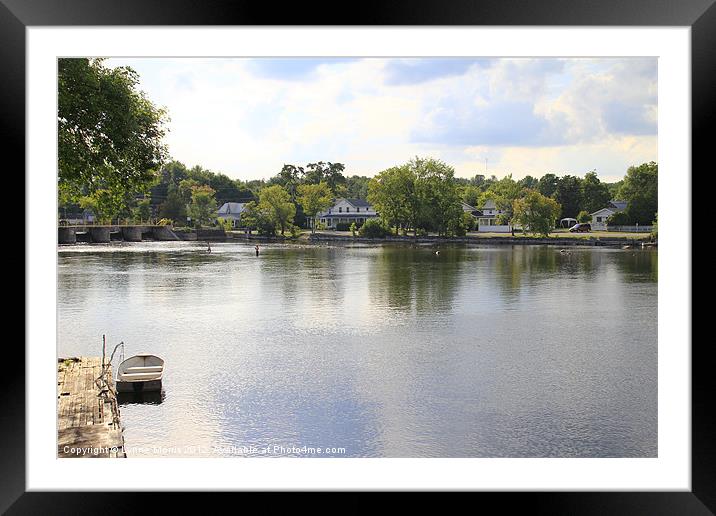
{"type": "Point", "coordinates": [342, 226]}
{"type": "Point", "coordinates": [353, 229]}
{"type": "Point", "coordinates": [373, 228]}
{"type": "Point", "coordinates": [584, 217]}
{"type": "Point", "coordinates": [165, 222]}
{"type": "Point", "coordinates": [618, 219]}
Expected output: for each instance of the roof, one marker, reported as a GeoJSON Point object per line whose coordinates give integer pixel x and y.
{"type": "Point", "coordinates": [613, 207]}
{"type": "Point", "coordinates": [358, 203]}
{"type": "Point", "coordinates": [489, 205]}
{"type": "Point", "coordinates": [619, 205]}
{"type": "Point", "coordinates": [231, 207]}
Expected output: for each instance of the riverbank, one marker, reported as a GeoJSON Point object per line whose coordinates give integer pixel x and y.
{"type": "Point", "coordinates": [567, 239]}
{"type": "Point", "coordinates": [88, 422]}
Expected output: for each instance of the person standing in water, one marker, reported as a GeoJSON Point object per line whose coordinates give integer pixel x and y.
{"type": "Point", "coordinates": [257, 250]}
{"type": "Point", "coordinates": [208, 247]}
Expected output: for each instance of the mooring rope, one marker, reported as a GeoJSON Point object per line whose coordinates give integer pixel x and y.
{"type": "Point", "coordinates": [104, 385]}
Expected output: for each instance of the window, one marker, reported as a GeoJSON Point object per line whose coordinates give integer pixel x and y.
{"type": "Point", "coordinates": [599, 219]}
{"type": "Point", "coordinates": [340, 210]}
{"type": "Point", "coordinates": [347, 209]}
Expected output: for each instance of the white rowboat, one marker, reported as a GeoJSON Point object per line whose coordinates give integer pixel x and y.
{"type": "Point", "coordinates": [140, 373]}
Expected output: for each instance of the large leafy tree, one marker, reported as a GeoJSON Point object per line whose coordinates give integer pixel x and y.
{"type": "Point", "coordinates": [547, 185]}
{"type": "Point", "coordinates": [641, 191]}
{"type": "Point", "coordinates": [109, 134]}
{"type": "Point", "coordinates": [437, 195]}
{"type": "Point", "coordinates": [393, 194]}
{"type": "Point", "coordinates": [173, 207]}
{"type": "Point", "coordinates": [275, 202]}
{"type": "Point", "coordinates": [536, 212]}
{"type": "Point", "coordinates": [569, 195]}
{"type": "Point", "coordinates": [202, 209]}
{"type": "Point", "coordinates": [331, 173]}
{"type": "Point", "coordinates": [314, 199]}
{"type": "Point", "coordinates": [595, 194]}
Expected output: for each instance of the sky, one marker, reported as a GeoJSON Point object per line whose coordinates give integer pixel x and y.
{"type": "Point", "coordinates": [247, 117]}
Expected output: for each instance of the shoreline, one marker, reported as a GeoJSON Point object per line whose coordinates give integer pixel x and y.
{"type": "Point", "coordinates": [323, 238]}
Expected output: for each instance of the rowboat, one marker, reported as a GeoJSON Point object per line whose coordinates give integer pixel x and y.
{"type": "Point", "coordinates": [140, 373]}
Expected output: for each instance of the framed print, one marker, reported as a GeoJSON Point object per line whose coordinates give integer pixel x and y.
{"type": "Point", "coordinates": [417, 249]}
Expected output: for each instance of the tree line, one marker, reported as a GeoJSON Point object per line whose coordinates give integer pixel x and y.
{"type": "Point", "coordinates": [112, 161]}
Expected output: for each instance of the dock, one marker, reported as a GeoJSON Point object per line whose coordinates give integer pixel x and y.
{"type": "Point", "coordinates": [88, 422]}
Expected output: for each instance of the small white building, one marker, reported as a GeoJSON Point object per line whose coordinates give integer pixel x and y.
{"type": "Point", "coordinates": [487, 219]}
{"type": "Point", "coordinates": [231, 211]}
{"type": "Point", "coordinates": [599, 217]}
{"type": "Point", "coordinates": [346, 211]}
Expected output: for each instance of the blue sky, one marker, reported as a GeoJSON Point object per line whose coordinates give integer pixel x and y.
{"type": "Point", "coordinates": [247, 117]}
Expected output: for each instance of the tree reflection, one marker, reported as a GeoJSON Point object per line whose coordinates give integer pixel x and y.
{"type": "Point", "coordinates": [416, 278]}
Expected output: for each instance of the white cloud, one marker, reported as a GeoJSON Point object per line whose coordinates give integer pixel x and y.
{"type": "Point", "coordinates": [247, 118]}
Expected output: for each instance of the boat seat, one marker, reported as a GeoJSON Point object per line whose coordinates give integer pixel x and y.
{"type": "Point", "coordinates": [134, 377]}
{"type": "Point", "coordinates": [144, 369]}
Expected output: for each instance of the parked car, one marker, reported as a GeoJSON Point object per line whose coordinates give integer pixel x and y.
{"type": "Point", "coordinates": [580, 228]}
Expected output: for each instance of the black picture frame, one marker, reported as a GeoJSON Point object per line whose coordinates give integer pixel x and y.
{"type": "Point", "coordinates": [700, 15]}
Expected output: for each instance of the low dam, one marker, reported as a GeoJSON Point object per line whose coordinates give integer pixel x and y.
{"type": "Point", "coordinates": [105, 234]}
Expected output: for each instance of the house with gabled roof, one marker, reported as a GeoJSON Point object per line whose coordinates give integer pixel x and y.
{"type": "Point", "coordinates": [346, 211]}
{"type": "Point", "coordinates": [231, 211]}
{"type": "Point", "coordinates": [599, 217]}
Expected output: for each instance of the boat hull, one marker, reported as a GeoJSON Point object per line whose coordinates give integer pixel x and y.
{"type": "Point", "coordinates": [139, 386]}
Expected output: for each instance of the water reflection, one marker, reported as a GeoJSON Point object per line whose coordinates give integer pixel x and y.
{"type": "Point", "coordinates": [141, 398]}
{"type": "Point", "coordinates": [384, 351]}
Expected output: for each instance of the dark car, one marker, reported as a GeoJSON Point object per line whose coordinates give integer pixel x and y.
{"type": "Point", "coordinates": [580, 228]}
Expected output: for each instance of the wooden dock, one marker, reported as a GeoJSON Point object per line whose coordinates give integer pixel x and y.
{"type": "Point", "coordinates": [88, 423]}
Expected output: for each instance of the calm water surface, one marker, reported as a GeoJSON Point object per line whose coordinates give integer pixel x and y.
{"type": "Point", "coordinates": [381, 351]}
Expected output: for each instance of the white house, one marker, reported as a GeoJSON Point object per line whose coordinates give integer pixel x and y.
{"type": "Point", "coordinates": [599, 217]}
{"type": "Point", "coordinates": [346, 211]}
{"type": "Point", "coordinates": [231, 211]}
{"type": "Point", "coordinates": [487, 219]}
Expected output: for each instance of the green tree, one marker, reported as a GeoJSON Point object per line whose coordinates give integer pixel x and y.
{"type": "Point", "coordinates": [202, 209]}
{"type": "Point", "coordinates": [569, 195]}
{"type": "Point", "coordinates": [105, 204]}
{"type": "Point", "coordinates": [393, 194]}
{"type": "Point", "coordinates": [331, 173]}
{"type": "Point", "coordinates": [584, 216]}
{"type": "Point", "coordinates": [109, 134]}
{"type": "Point", "coordinates": [641, 192]}
{"type": "Point", "coordinates": [504, 192]}
{"type": "Point", "coordinates": [254, 217]}
{"type": "Point", "coordinates": [595, 194]}
{"type": "Point", "coordinates": [275, 202]}
{"type": "Point", "coordinates": [536, 212]}
{"type": "Point", "coordinates": [357, 187]}
{"type": "Point", "coordinates": [529, 182]}
{"type": "Point", "coordinates": [547, 185]}
{"type": "Point", "coordinates": [437, 195]}
{"type": "Point", "coordinates": [314, 199]}
{"type": "Point", "coordinates": [143, 210]}
{"type": "Point", "coordinates": [174, 207]}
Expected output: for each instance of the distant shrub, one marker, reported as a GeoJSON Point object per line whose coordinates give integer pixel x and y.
{"type": "Point", "coordinates": [373, 228]}
{"type": "Point", "coordinates": [165, 222]}
{"type": "Point", "coordinates": [294, 230]}
{"type": "Point", "coordinates": [343, 226]}
{"type": "Point", "coordinates": [618, 219]}
{"type": "Point", "coordinates": [584, 217]}
{"type": "Point", "coordinates": [353, 229]}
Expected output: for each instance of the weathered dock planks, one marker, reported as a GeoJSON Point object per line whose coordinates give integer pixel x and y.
{"type": "Point", "coordinates": [88, 423]}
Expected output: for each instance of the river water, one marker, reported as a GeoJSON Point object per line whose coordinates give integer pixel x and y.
{"type": "Point", "coordinates": [375, 351]}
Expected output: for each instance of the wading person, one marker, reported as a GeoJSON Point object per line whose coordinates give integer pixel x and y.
{"type": "Point", "coordinates": [257, 250]}
{"type": "Point", "coordinates": [208, 247]}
